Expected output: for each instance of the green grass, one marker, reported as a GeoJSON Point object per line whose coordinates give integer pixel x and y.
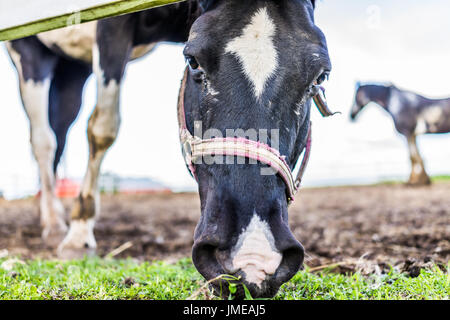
{"type": "Point", "coordinates": [430, 284]}
{"type": "Point", "coordinates": [442, 178]}
{"type": "Point", "coordinates": [126, 279]}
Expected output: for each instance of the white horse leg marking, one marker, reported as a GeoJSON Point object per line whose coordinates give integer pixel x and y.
{"type": "Point", "coordinates": [103, 127]}
{"type": "Point", "coordinates": [256, 51]}
{"type": "Point", "coordinates": [418, 173]}
{"type": "Point", "coordinates": [416, 160]}
{"type": "Point", "coordinates": [43, 140]}
{"type": "Point", "coordinates": [35, 95]}
{"type": "Point", "coordinates": [413, 148]}
{"type": "Point", "coordinates": [255, 252]}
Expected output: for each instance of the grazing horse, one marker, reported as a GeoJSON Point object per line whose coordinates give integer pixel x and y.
{"type": "Point", "coordinates": [413, 115]}
{"type": "Point", "coordinates": [254, 67]}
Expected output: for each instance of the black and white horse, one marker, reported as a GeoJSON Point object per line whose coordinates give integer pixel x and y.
{"type": "Point", "coordinates": [253, 65]}
{"type": "Point", "coordinates": [413, 115]}
{"type": "Point", "coordinates": [53, 68]}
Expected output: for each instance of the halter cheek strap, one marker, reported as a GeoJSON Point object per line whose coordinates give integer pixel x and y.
{"type": "Point", "coordinates": [195, 148]}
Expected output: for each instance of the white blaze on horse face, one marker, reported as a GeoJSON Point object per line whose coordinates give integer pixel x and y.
{"type": "Point", "coordinates": [256, 51]}
{"type": "Point", "coordinates": [255, 252]}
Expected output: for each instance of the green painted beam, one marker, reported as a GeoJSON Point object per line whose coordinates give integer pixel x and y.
{"type": "Point", "coordinates": [95, 13]}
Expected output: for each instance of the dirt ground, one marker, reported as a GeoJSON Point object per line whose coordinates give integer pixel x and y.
{"type": "Point", "coordinates": [359, 228]}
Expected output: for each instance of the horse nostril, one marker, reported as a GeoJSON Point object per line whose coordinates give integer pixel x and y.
{"type": "Point", "coordinates": [294, 257]}
{"type": "Point", "coordinates": [205, 260]}
{"type": "Point", "coordinates": [291, 262]}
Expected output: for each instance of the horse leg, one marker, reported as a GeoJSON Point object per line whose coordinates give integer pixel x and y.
{"type": "Point", "coordinates": [66, 92]}
{"type": "Point", "coordinates": [35, 65]}
{"type": "Point", "coordinates": [418, 174]}
{"type": "Point", "coordinates": [110, 56]}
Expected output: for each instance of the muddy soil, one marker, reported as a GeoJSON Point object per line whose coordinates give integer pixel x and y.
{"type": "Point", "coordinates": [367, 228]}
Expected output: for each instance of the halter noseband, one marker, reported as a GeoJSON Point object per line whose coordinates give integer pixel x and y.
{"type": "Point", "coordinates": [194, 148]}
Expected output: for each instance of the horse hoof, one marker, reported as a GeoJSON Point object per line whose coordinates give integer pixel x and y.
{"type": "Point", "coordinates": [79, 242]}
{"type": "Point", "coordinates": [419, 182]}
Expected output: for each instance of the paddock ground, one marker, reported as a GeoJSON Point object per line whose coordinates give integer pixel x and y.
{"type": "Point", "coordinates": [366, 229]}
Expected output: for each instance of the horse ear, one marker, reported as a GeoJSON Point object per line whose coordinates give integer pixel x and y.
{"type": "Point", "coordinates": [206, 4]}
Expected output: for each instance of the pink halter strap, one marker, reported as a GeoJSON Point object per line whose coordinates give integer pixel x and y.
{"type": "Point", "coordinates": [195, 148]}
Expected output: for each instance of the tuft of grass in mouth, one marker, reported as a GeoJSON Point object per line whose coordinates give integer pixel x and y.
{"type": "Point", "coordinates": [97, 278]}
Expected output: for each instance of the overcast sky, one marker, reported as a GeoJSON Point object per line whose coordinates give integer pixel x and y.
{"type": "Point", "coordinates": [404, 41]}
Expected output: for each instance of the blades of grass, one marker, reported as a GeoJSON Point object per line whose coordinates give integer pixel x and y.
{"type": "Point", "coordinates": [248, 295]}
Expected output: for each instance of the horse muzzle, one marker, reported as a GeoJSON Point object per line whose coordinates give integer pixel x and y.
{"type": "Point", "coordinates": [264, 256]}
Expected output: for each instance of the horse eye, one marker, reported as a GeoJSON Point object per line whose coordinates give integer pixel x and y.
{"type": "Point", "coordinates": [193, 64]}
{"type": "Point", "coordinates": [321, 79]}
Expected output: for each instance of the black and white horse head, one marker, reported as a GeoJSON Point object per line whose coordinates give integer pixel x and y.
{"type": "Point", "coordinates": [253, 68]}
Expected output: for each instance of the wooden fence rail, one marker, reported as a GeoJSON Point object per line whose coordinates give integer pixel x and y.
{"type": "Point", "coordinates": [22, 18]}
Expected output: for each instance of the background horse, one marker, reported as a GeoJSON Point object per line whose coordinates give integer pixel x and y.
{"type": "Point", "coordinates": [253, 65]}
{"type": "Point", "coordinates": [413, 115]}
